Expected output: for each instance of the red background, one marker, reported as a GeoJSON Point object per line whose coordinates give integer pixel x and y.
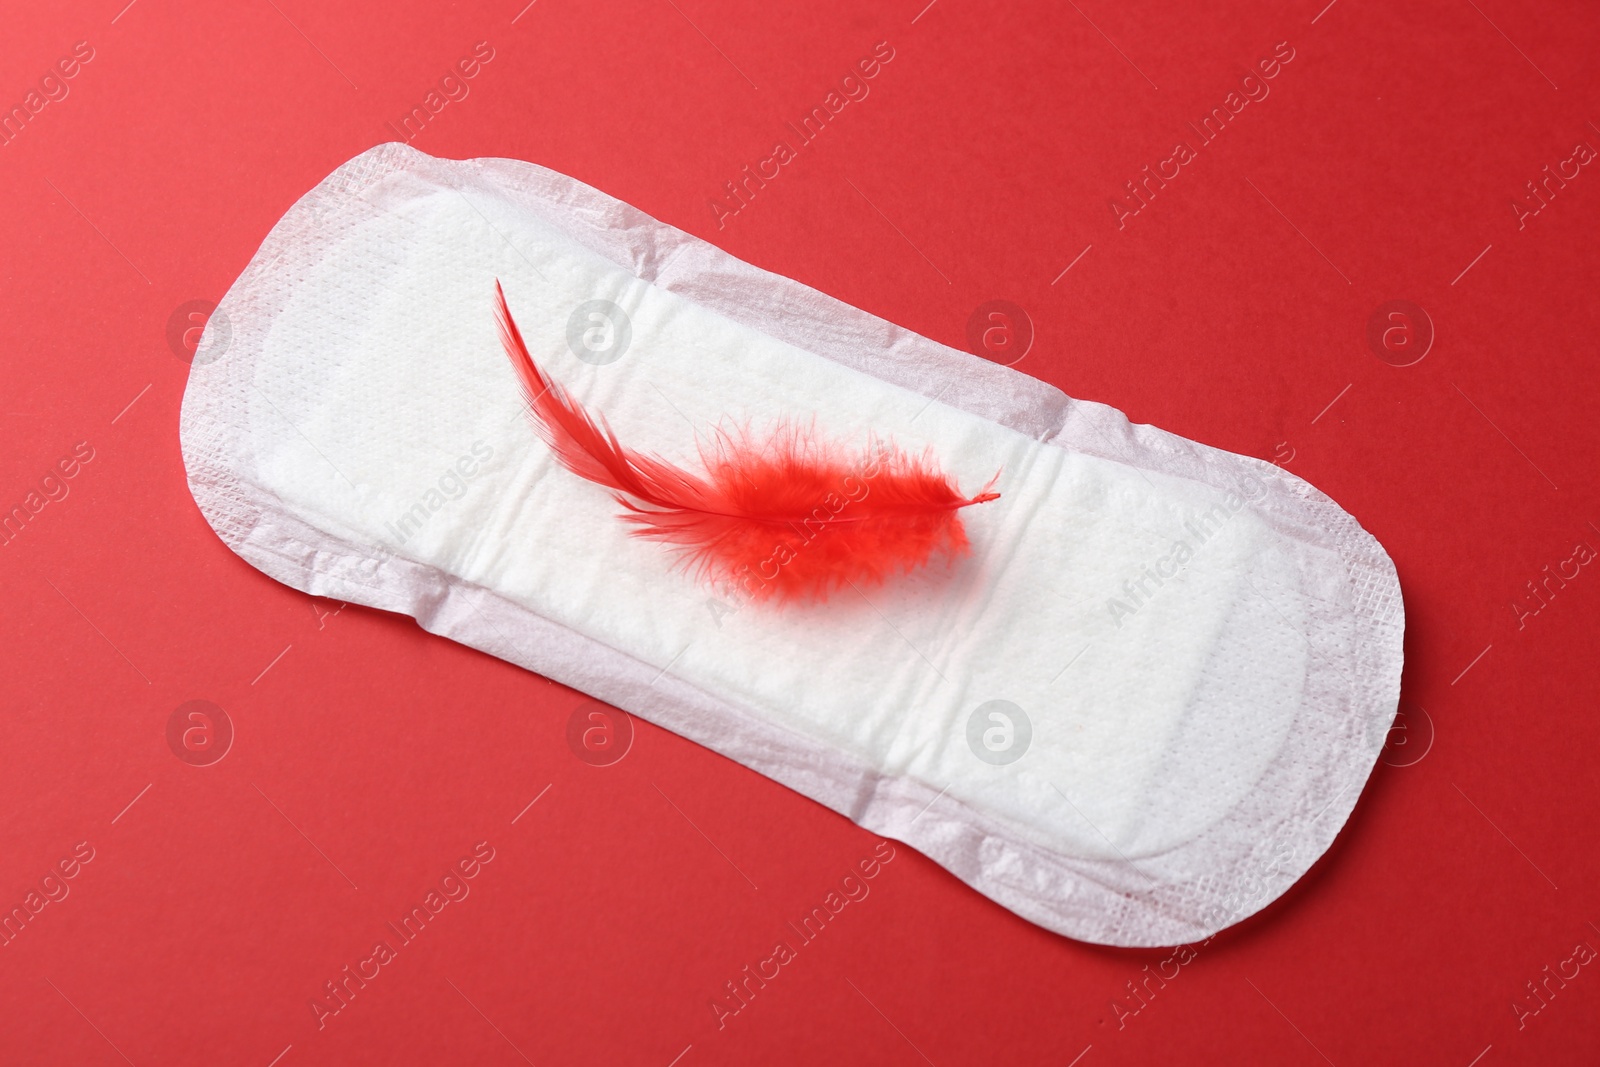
{"type": "Point", "coordinates": [370, 755]}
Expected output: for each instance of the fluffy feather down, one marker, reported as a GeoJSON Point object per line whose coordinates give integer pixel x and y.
{"type": "Point", "coordinates": [791, 518]}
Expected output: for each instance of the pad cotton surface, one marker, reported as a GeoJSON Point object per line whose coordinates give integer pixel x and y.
{"type": "Point", "coordinates": [1135, 714]}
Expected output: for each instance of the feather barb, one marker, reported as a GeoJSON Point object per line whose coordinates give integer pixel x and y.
{"type": "Point", "coordinates": [792, 517]}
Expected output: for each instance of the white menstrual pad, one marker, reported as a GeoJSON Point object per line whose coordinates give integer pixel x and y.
{"type": "Point", "coordinates": [1199, 653]}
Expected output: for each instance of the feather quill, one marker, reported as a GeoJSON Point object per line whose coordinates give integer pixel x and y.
{"type": "Point", "coordinates": [791, 518]}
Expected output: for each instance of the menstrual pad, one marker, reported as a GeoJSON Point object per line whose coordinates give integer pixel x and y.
{"type": "Point", "coordinates": [1139, 709]}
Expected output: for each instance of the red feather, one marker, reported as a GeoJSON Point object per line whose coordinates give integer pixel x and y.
{"type": "Point", "coordinates": [791, 518]}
